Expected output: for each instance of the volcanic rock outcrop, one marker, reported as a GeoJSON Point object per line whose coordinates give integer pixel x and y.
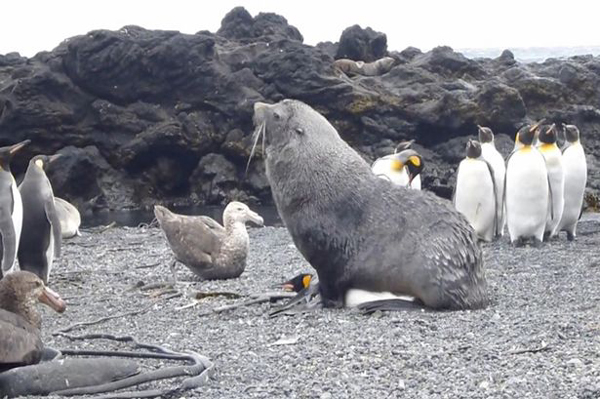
{"type": "Point", "coordinates": [148, 116]}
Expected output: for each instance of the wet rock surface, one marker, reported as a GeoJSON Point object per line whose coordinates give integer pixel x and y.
{"type": "Point", "coordinates": [140, 110]}
{"type": "Point", "coordinates": [541, 333]}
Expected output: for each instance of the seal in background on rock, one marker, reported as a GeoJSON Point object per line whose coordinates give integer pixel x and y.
{"type": "Point", "coordinates": [362, 234]}
{"type": "Point", "coordinates": [208, 249]}
{"type": "Point", "coordinates": [375, 68]}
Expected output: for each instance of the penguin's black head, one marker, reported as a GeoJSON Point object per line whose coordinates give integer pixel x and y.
{"type": "Point", "coordinates": [526, 133]}
{"type": "Point", "coordinates": [42, 161]}
{"type": "Point", "coordinates": [571, 133]}
{"type": "Point", "coordinates": [7, 153]}
{"type": "Point", "coordinates": [485, 134]}
{"type": "Point", "coordinates": [473, 149]}
{"type": "Point", "coordinates": [548, 134]}
{"type": "Point", "coordinates": [404, 145]}
{"type": "Point", "coordinates": [298, 283]}
{"type": "Point", "coordinates": [411, 159]}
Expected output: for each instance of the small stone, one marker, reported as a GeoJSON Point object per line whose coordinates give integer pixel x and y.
{"type": "Point", "coordinates": [401, 385]}
{"type": "Point", "coordinates": [575, 362]}
{"type": "Point", "coordinates": [326, 395]}
{"type": "Point", "coordinates": [484, 385]}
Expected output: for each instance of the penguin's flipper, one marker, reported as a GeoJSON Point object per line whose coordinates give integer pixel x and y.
{"type": "Point", "coordinates": [390, 305]}
{"type": "Point", "coordinates": [454, 188]}
{"type": "Point", "coordinates": [496, 205]}
{"type": "Point", "coordinates": [52, 217]}
{"type": "Point", "coordinates": [9, 239]}
{"type": "Point", "coordinates": [552, 213]}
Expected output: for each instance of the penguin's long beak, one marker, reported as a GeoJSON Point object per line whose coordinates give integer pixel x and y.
{"type": "Point", "coordinates": [16, 147]}
{"type": "Point", "coordinates": [536, 125]}
{"type": "Point", "coordinates": [54, 157]}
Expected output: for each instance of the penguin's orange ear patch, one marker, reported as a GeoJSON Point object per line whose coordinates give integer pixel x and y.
{"type": "Point", "coordinates": [415, 160]}
{"type": "Point", "coordinates": [306, 280]}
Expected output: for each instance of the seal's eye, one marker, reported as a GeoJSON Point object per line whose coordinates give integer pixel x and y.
{"type": "Point", "coordinates": [276, 116]}
{"type": "Point", "coordinates": [299, 130]}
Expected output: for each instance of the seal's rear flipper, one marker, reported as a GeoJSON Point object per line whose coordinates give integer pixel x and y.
{"type": "Point", "coordinates": [390, 305]}
{"type": "Point", "coordinates": [307, 299]}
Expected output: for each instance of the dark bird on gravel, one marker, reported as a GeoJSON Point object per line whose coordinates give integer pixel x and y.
{"type": "Point", "coordinates": [298, 283]}
{"type": "Point", "coordinates": [208, 249]}
{"type": "Point", "coordinates": [20, 323]}
{"type": "Point", "coordinates": [41, 237]}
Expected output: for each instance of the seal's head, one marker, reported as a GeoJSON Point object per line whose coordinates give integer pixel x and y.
{"type": "Point", "coordinates": [289, 122]}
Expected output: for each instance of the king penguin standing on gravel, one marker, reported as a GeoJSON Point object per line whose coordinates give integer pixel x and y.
{"type": "Point", "coordinates": [496, 161]}
{"type": "Point", "coordinates": [556, 178]}
{"type": "Point", "coordinates": [41, 236]}
{"type": "Point", "coordinates": [527, 190]}
{"type": "Point", "coordinates": [11, 209]}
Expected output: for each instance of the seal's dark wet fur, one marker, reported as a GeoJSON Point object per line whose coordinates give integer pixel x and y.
{"type": "Point", "coordinates": [359, 231]}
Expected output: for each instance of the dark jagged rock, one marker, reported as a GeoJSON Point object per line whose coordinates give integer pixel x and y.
{"type": "Point", "coordinates": [146, 116]}
{"type": "Point", "coordinates": [360, 44]}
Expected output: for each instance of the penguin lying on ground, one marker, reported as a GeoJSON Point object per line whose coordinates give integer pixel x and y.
{"type": "Point", "coordinates": [208, 249]}
{"type": "Point", "coordinates": [11, 209]}
{"type": "Point", "coordinates": [575, 171]}
{"type": "Point", "coordinates": [475, 192]}
{"type": "Point", "coordinates": [401, 168]}
{"type": "Point", "coordinates": [526, 190]}
{"type": "Point", "coordinates": [298, 283]}
{"type": "Point", "coordinates": [41, 237]}
{"type": "Point", "coordinates": [69, 216]}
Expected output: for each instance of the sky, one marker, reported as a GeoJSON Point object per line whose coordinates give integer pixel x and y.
{"type": "Point", "coordinates": [29, 26]}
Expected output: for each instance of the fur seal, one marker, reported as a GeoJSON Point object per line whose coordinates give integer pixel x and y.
{"type": "Point", "coordinates": [375, 68]}
{"type": "Point", "coordinates": [360, 233]}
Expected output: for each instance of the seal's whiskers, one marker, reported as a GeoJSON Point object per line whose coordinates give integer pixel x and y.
{"type": "Point", "coordinates": [260, 131]}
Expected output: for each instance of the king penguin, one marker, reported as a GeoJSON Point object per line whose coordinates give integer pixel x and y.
{"type": "Point", "coordinates": [575, 168]}
{"type": "Point", "coordinates": [475, 193]}
{"type": "Point", "coordinates": [496, 160]}
{"type": "Point", "coordinates": [401, 168]}
{"type": "Point", "coordinates": [526, 190]}
{"type": "Point", "coordinates": [556, 177]}
{"type": "Point", "coordinates": [11, 209]}
{"type": "Point", "coordinates": [41, 235]}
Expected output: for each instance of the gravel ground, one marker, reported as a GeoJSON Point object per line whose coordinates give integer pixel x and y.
{"type": "Point", "coordinates": [539, 339]}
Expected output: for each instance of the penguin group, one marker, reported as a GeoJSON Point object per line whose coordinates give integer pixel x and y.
{"type": "Point", "coordinates": [536, 192]}
{"type": "Point", "coordinates": [30, 220]}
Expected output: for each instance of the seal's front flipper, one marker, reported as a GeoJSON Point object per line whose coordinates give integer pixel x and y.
{"type": "Point", "coordinates": [307, 299]}
{"type": "Point", "coordinates": [390, 305]}
{"type": "Point", "coordinates": [50, 354]}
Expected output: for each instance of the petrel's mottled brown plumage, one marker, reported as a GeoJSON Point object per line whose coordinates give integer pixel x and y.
{"type": "Point", "coordinates": [208, 249]}
{"type": "Point", "coordinates": [20, 342]}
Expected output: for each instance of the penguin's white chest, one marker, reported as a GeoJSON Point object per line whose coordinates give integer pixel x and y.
{"type": "Point", "coordinates": [17, 215]}
{"type": "Point", "coordinates": [575, 172]}
{"type": "Point", "coordinates": [475, 197]}
{"type": "Point", "coordinates": [556, 179]}
{"type": "Point", "coordinates": [495, 159]}
{"type": "Point", "coordinates": [526, 194]}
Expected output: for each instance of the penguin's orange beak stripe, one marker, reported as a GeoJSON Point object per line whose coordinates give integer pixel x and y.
{"type": "Point", "coordinates": [415, 160]}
